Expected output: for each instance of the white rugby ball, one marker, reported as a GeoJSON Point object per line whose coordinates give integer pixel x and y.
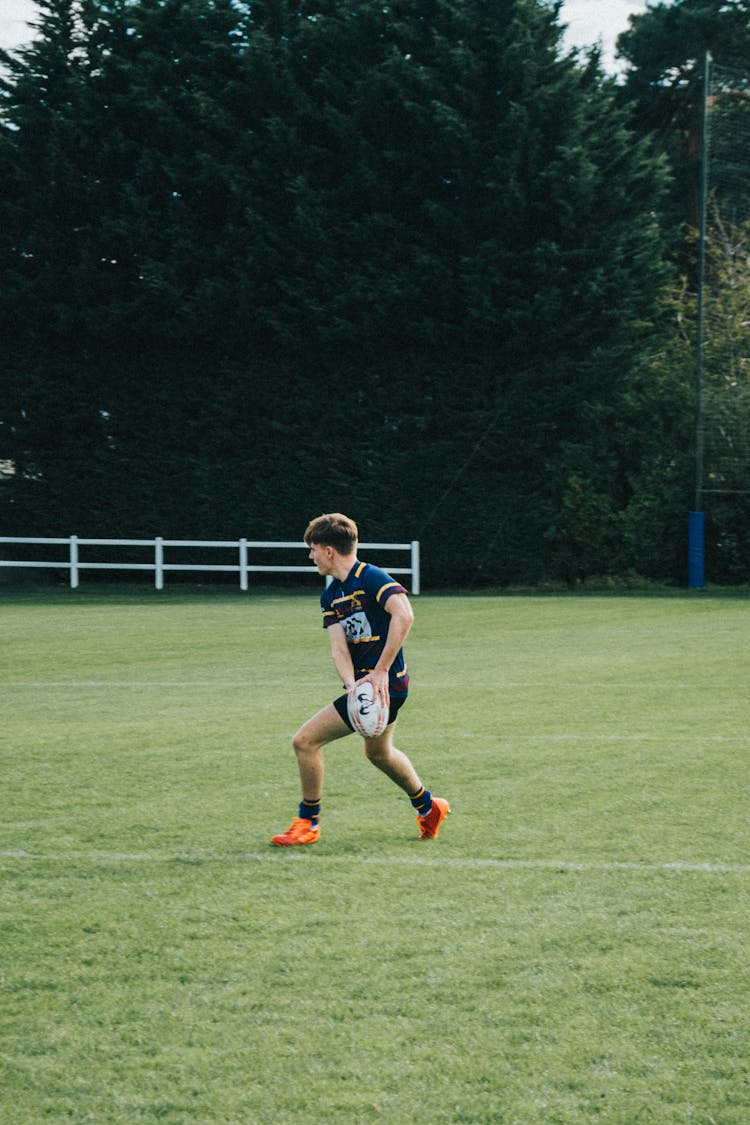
{"type": "Point", "coordinates": [368, 717]}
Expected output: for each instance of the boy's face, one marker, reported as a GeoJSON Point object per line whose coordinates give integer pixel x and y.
{"type": "Point", "coordinates": [322, 556]}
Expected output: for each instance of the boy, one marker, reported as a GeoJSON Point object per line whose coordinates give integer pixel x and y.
{"type": "Point", "coordinates": [367, 615]}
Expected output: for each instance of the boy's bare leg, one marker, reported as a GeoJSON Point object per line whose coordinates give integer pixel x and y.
{"type": "Point", "coordinates": [327, 726]}
{"type": "Point", "coordinates": [393, 762]}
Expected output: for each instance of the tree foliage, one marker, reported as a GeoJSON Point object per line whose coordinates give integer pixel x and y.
{"type": "Point", "coordinates": [265, 260]}
{"type": "Point", "coordinates": [666, 50]}
{"type": "Point", "coordinates": [725, 409]}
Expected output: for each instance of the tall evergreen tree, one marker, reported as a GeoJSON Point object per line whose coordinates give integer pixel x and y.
{"type": "Point", "coordinates": [302, 256]}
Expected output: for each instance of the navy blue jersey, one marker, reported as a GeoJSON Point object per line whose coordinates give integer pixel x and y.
{"type": "Point", "coordinates": [358, 604]}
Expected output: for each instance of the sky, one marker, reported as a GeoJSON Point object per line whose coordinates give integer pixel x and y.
{"type": "Point", "coordinates": [598, 21]}
{"type": "Point", "coordinates": [588, 22]}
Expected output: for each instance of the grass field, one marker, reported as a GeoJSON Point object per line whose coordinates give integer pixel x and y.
{"type": "Point", "coordinates": [574, 948]}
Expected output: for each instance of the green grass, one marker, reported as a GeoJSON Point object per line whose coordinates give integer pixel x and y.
{"type": "Point", "coordinates": [573, 949]}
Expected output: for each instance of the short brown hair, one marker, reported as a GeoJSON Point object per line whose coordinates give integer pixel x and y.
{"type": "Point", "coordinates": [333, 530]}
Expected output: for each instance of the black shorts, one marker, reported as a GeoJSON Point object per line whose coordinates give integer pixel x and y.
{"type": "Point", "coordinates": [396, 705]}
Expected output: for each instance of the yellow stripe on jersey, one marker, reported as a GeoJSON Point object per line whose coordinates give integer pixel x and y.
{"type": "Point", "coordinates": [359, 569]}
{"type": "Point", "coordinates": [387, 586]}
{"type": "Point", "coordinates": [348, 597]}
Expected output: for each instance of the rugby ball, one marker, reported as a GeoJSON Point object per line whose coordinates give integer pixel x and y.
{"type": "Point", "coordinates": [368, 717]}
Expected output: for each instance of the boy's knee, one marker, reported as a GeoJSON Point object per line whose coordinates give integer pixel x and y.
{"type": "Point", "coordinates": [376, 753]}
{"type": "Point", "coordinates": [301, 742]}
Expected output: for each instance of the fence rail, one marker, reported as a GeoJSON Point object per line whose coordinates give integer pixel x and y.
{"type": "Point", "coordinates": [243, 548]}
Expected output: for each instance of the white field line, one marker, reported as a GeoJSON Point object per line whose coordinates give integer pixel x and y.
{"type": "Point", "coordinates": [139, 684]}
{"type": "Point", "coordinates": [493, 685]}
{"type": "Point", "coordinates": [666, 867]}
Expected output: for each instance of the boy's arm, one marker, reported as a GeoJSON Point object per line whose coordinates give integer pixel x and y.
{"type": "Point", "coordinates": [402, 618]}
{"type": "Point", "coordinates": [341, 657]}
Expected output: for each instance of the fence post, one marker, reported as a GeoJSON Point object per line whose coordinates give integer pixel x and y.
{"type": "Point", "coordinates": [415, 584]}
{"type": "Point", "coordinates": [243, 564]}
{"type": "Point", "coordinates": [159, 562]}
{"type": "Point", "coordinates": [696, 550]}
{"type": "Point", "coordinates": [74, 562]}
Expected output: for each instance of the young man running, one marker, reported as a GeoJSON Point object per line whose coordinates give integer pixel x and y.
{"type": "Point", "coordinates": [367, 615]}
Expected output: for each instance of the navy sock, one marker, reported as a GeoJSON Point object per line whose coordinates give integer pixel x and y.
{"type": "Point", "coordinates": [422, 801]}
{"type": "Point", "coordinates": [310, 810]}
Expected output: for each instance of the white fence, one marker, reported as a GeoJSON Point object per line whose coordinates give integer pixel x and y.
{"type": "Point", "coordinates": [241, 547]}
